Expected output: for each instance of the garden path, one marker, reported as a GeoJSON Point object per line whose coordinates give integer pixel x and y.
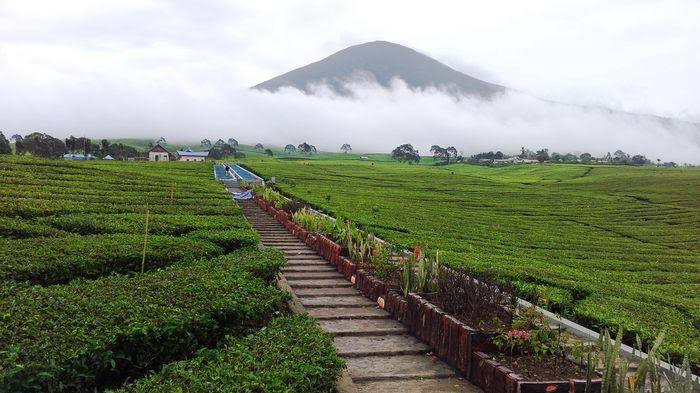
{"type": "Point", "coordinates": [381, 354]}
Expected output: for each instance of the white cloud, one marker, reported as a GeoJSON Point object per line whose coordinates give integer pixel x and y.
{"type": "Point", "coordinates": [182, 68]}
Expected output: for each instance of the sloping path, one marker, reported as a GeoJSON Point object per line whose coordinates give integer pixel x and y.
{"type": "Point", "coordinates": [381, 354]}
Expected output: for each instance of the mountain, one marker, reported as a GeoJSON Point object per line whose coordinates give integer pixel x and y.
{"type": "Point", "coordinates": [380, 62]}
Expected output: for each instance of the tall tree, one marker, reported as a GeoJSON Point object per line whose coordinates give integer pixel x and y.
{"type": "Point", "coordinates": [259, 146]}
{"type": "Point", "coordinates": [104, 147]}
{"type": "Point", "coordinates": [232, 142]}
{"type": "Point", "coordinates": [220, 151]}
{"type": "Point", "coordinates": [406, 153]}
{"type": "Point", "coordinates": [43, 145]}
{"type": "Point", "coordinates": [205, 143]}
{"type": "Point", "coordinates": [446, 154]}
{"type": "Point", "coordinates": [5, 147]}
{"type": "Point", "coordinates": [121, 151]}
{"type": "Point", "coordinates": [268, 152]}
{"type": "Point", "coordinates": [290, 148]}
{"type": "Point", "coordinates": [161, 140]}
{"type": "Point", "coordinates": [15, 138]}
{"type": "Point", "coordinates": [542, 155]}
{"type": "Point", "coordinates": [639, 160]}
{"type": "Point", "coordinates": [219, 142]}
{"type": "Point", "coordinates": [346, 148]}
{"type": "Point", "coordinates": [305, 148]}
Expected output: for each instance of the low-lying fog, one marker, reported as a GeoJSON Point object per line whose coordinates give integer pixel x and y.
{"type": "Point", "coordinates": [375, 120]}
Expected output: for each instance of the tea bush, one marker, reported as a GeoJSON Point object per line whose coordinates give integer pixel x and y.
{"type": "Point", "coordinates": [89, 334]}
{"type": "Point", "coordinates": [292, 354]}
{"type": "Point", "coordinates": [48, 261]}
{"type": "Point", "coordinates": [566, 233]}
{"type": "Point", "coordinates": [159, 224]}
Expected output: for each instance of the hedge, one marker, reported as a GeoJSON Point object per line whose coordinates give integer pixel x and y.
{"type": "Point", "coordinates": [17, 228]}
{"type": "Point", "coordinates": [31, 208]}
{"type": "Point", "coordinates": [292, 354]}
{"type": "Point", "coordinates": [48, 261]}
{"type": "Point", "coordinates": [159, 224]}
{"type": "Point", "coordinates": [90, 335]}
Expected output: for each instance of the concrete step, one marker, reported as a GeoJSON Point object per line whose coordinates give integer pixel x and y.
{"type": "Point", "coordinates": [395, 344]}
{"type": "Point", "coordinates": [305, 257]}
{"type": "Point", "coordinates": [381, 356]}
{"type": "Point", "coordinates": [363, 327]}
{"type": "Point", "coordinates": [314, 268]}
{"type": "Point", "coordinates": [306, 292]}
{"type": "Point", "coordinates": [320, 283]}
{"type": "Point", "coordinates": [325, 313]}
{"type": "Point", "coordinates": [443, 385]}
{"type": "Point", "coordinates": [307, 262]}
{"type": "Point", "coordinates": [312, 275]}
{"type": "Point", "coordinates": [337, 301]}
{"type": "Point", "coordinates": [378, 368]}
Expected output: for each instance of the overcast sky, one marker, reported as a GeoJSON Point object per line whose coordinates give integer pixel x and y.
{"type": "Point", "coordinates": [83, 65]}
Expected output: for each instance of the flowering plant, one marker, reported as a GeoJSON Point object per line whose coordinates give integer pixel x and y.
{"type": "Point", "coordinates": [529, 335]}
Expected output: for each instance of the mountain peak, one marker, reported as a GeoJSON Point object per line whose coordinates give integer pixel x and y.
{"type": "Point", "coordinates": [381, 62]}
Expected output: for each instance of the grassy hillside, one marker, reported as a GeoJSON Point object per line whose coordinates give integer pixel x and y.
{"type": "Point", "coordinates": [605, 245]}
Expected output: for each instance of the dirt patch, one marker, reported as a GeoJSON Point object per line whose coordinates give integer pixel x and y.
{"type": "Point", "coordinates": [548, 369]}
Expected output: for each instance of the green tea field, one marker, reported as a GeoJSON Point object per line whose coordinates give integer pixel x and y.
{"type": "Point", "coordinates": [604, 245]}
{"type": "Point", "coordinates": [77, 313]}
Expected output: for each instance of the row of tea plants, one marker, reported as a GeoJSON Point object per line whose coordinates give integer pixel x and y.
{"type": "Point", "coordinates": [603, 246]}
{"type": "Point", "coordinates": [519, 340]}
{"type": "Point", "coordinates": [90, 300]}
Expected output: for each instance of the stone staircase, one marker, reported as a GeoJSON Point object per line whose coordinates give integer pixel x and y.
{"type": "Point", "coordinates": [381, 355]}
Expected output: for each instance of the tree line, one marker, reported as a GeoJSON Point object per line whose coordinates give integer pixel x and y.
{"type": "Point", "coordinates": [44, 145]}
{"type": "Point", "coordinates": [447, 155]}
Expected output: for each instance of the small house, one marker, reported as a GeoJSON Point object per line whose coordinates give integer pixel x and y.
{"type": "Point", "coordinates": [158, 153]}
{"type": "Point", "coordinates": [189, 155]}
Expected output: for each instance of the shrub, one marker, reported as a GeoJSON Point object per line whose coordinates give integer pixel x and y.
{"type": "Point", "coordinates": [292, 354]}
{"type": "Point", "coordinates": [229, 240]}
{"type": "Point", "coordinates": [17, 228]}
{"type": "Point", "coordinates": [48, 261]}
{"type": "Point", "coordinates": [159, 224]}
{"type": "Point", "coordinates": [94, 334]}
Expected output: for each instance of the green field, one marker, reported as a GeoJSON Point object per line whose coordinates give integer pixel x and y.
{"type": "Point", "coordinates": [77, 314]}
{"type": "Point", "coordinates": [605, 245]}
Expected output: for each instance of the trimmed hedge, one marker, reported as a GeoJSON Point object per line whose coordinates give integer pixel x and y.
{"type": "Point", "coordinates": [292, 354]}
{"type": "Point", "coordinates": [17, 228]}
{"type": "Point", "coordinates": [48, 261]}
{"type": "Point", "coordinates": [159, 224]}
{"type": "Point", "coordinates": [95, 334]}
{"type": "Point", "coordinates": [31, 208]}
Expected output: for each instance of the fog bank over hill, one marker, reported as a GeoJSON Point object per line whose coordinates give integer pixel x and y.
{"type": "Point", "coordinates": [375, 120]}
{"type": "Point", "coordinates": [379, 119]}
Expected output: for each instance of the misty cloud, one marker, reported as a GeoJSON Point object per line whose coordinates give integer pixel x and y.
{"type": "Point", "coordinates": [145, 69]}
{"type": "Point", "coordinates": [380, 119]}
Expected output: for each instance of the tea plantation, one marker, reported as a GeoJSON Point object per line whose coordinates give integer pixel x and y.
{"type": "Point", "coordinates": [77, 314]}
{"type": "Point", "coordinates": [604, 245]}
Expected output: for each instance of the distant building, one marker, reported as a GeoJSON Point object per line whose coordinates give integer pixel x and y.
{"type": "Point", "coordinates": [158, 153]}
{"type": "Point", "coordinates": [79, 156]}
{"type": "Point", "coordinates": [189, 155]}
{"type": "Point", "coordinates": [108, 157]}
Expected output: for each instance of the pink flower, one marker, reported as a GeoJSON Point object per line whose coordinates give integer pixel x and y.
{"type": "Point", "coordinates": [519, 334]}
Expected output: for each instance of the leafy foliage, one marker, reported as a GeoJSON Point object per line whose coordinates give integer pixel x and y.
{"type": "Point", "coordinates": [292, 354]}
{"type": "Point", "coordinates": [96, 333]}
{"type": "Point", "coordinates": [604, 245]}
{"type": "Point", "coordinates": [406, 153]}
